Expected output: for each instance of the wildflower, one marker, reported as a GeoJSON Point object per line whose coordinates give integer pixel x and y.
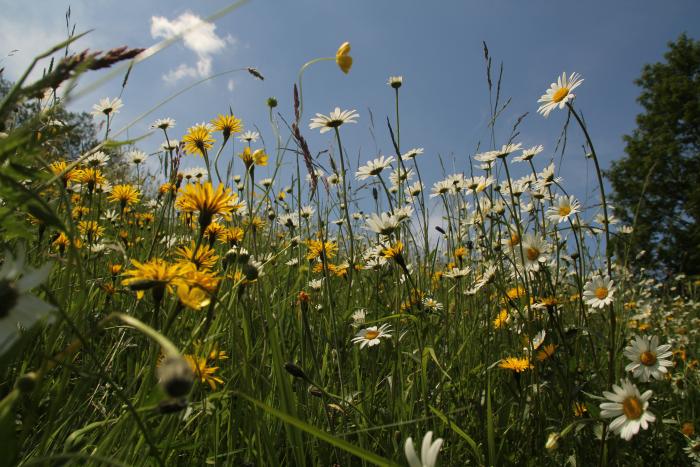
{"type": "Point", "coordinates": [428, 452]}
{"type": "Point", "coordinates": [202, 198]}
{"type": "Point", "coordinates": [136, 157]}
{"type": "Point", "coordinates": [249, 137]}
{"type": "Point", "coordinates": [198, 139]}
{"type": "Point", "coordinates": [501, 319]}
{"type": "Point", "coordinates": [343, 58]}
{"type": "Point", "coordinates": [107, 107]}
{"type": "Point", "coordinates": [316, 284]}
{"type": "Point", "coordinates": [442, 187]}
{"type": "Point", "coordinates": [203, 257]}
{"type": "Point", "coordinates": [515, 364]}
{"type": "Point", "coordinates": [125, 195]}
{"type": "Point", "coordinates": [649, 359]}
{"type": "Point", "coordinates": [320, 249]}
{"type": "Point", "coordinates": [371, 336]}
{"type": "Point", "coordinates": [228, 125]}
{"type": "Point", "coordinates": [91, 230]}
{"type": "Point", "coordinates": [565, 207]}
{"type": "Point", "coordinates": [552, 441]}
{"type": "Point", "coordinates": [250, 159]}
{"type": "Point", "coordinates": [383, 224]}
{"type": "Point", "coordinates": [457, 273]}
{"type": "Point", "coordinates": [629, 408]}
{"type": "Point", "coordinates": [163, 123]}
{"type": "Point", "coordinates": [580, 409]}
{"type": "Point", "coordinates": [598, 292]}
{"type": "Point", "coordinates": [431, 304]}
{"type": "Point", "coordinates": [18, 308]}
{"type": "Point", "coordinates": [546, 352]}
{"type": "Point", "coordinates": [559, 93]}
{"type": "Point", "coordinates": [205, 373]}
{"type": "Point", "coordinates": [528, 154]}
{"type": "Point", "coordinates": [358, 317]}
{"type": "Point", "coordinates": [374, 167]}
{"type": "Point", "coordinates": [333, 120]}
{"type": "Point", "coordinates": [175, 376]}
{"type": "Point", "coordinates": [412, 153]}
{"type": "Point", "coordinates": [60, 169]}
{"type": "Point", "coordinates": [393, 251]}
{"type": "Point", "coordinates": [155, 274]}
{"type": "Point", "coordinates": [194, 288]}
{"type": "Point", "coordinates": [535, 251]}
{"type": "Point", "coordinates": [395, 81]}
{"type": "Point", "coordinates": [97, 159]}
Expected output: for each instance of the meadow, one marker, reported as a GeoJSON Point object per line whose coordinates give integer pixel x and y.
{"type": "Point", "coordinates": [152, 314]}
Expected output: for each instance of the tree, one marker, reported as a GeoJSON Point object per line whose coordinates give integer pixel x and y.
{"type": "Point", "coordinates": [657, 184]}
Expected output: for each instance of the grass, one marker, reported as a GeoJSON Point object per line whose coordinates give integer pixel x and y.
{"type": "Point", "coordinates": [233, 345]}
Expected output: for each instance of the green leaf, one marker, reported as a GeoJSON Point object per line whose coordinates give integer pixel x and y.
{"type": "Point", "coordinates": [470, 441]}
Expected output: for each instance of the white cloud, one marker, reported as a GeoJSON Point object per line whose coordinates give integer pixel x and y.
{"type": "Point", "coordinates": [197, 35]}
{"type": "Point", "coordinates": [231, 85]}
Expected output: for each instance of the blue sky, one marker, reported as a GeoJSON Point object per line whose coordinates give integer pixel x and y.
{"type": "Point", "coordinates": [435, 46]}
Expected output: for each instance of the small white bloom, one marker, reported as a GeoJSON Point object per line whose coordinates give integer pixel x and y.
{"type": "Point", "coordinates": [371, 336]}
{"type": "Point", "coordinates": [649, 359]}
{"type": "Point", "coordinates": [428, 452]}
{"type": "Point", "coordinates": [629, 407]}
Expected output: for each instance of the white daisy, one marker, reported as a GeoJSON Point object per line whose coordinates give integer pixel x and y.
{"type": "Point", "coordinates": [629, 407]}
{"type": "Point", "coordinates": [565, 207]}
{"type": "Point", "coordinates": [649, 359]}
{"type": "Point", "coordinates": [97, 159]}
{"type": "Point", "coordinates": [428, 452]}
{"type": "Point", "coordinates": [457, 273]}
{"type": "Point", "coordinates": [412, 153]}
{"type": "Point", "coordinates": [395, 81]}
{"type": "Point", "coordinates": [559, 93]}
{"type": "Point", "coordinates": [535, 251]}
{"type": "Point", "coordinates": [170, 145]}
{"type": "Point", "coordinates": [431, 304]}
{"type": "Point", "coordinates": [383, 224]}
{"type": "Point", "coordinates": [374, 167]}
{"type": "Point", "coordinates": [598, 292]}
{"type": "Point", "coordinates": [334, 120]}
{"type": "Point", "coordinates": [442, 187]}
{"type": "Point", "coordinates": [136, 157]}
{"type": "Point", "coordinates": [316, 284]}
{"type": "Point", "coordinates": [307, 211]}
{"type": "Point", "coordinates": [163, 124]}
{"type": "Point", "coordinates": [107, 106]}
{"type": "Point", "coordinates": [249, 136]}
{"type": "Point", "coordinates": [528, 154]}
{"type": "Point", "coordinates": [290, 220]}
{"type": "Point", "coordinates": [19, 309]}
{"type": "Point", "coordinates": [358, 317]}
{"type": "Point", "coordinates": [371, 336]}
{"type": "Point", "coordinates": [415, 189]}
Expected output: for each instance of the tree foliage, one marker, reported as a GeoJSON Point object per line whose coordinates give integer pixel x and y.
{"type": "Point", "coordinates": [657, 184]}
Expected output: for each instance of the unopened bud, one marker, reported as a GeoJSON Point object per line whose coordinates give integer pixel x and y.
{"type": "Point", "coordinates": [294, 370]}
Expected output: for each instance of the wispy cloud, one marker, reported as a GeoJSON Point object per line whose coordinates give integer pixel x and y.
{"type": "Point", "coordinates": [198, 35]}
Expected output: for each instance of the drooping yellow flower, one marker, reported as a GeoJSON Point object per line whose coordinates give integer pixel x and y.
{"type": "Point", "coordinates": [233, 235]}
{"type": "Point", "coordinates": [202, 370]}
{"type": "Point", "coordinates": [214, 231]}
{"type": "Point", "coordinates": [515, 364]}
{"type": "Point", "coordinates": [194, 288]}
{"type": "Point", "coordinates": [203, 257]}
{"type": "Point", "coordinates": [227, 124]}
{"type": "Point", "coordinates": [502, 318]}
{"type": "Point", "coordinates": [257, 157]}
{"type": "Point", "coordinates": [546, 352]}
{"type": "Point", "coordinates": [393, 251]}
{"type": "Point", "coordinates": [198, 139]}
{"type": "Point", "coordinates": [203, 199]}
{"type": "Point", "coordinates": [125, 195]}
{"type": "Point", "coordinates": [62, 242]}
{"type": "Point", "coordinates": [343, 58]}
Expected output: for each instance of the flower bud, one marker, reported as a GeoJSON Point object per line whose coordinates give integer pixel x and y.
{"type": "Point", "coordinates": [175, 376]}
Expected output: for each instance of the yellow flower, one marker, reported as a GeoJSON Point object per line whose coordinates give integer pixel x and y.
{"type": "Point", "coordinates": [393, 251]}
{"type": "Point", "coordinates": [62, 242]}
{"type": "Point", "coordinates": [342, 57]}
{"type": "Point", "coordinates": [90, 177]}
{"type": "Point", "coordinates": [203, 258]}
{"type": "Point", "coordinates": [90, 229]}
{"type": "Point", "coordinates": [58, 168]}
{"type": "Point", "coordinates": [233, 235]}
{"type": "Point", "coordinates": [518, 365]}
{"type": "Point", "coordinates": [321, 249]}
{"type": "Point", "coordinates": [546, 352]}
{"type": "Point", "coordinates": [257, 157]}
{"type": "Point", "coordinates": [198, 139]}
{"type": "Point", "coordinates": [502, 318]}
{"type": "Point", "coordinates": [125, 195]}
{"type": "Point", "coordinates": [202, 198]}
{"type": "Point", "coordinates": [156, 274]}
{"type": "Point", "coordinates": [204, 372]}
{"type": "Point", "coordinates": [227, 124]}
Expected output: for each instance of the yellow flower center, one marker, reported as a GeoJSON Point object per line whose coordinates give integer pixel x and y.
{"type": "Point", "coordinates": [369, 335]}
{"type": "Point", "coordinates": [560, 94]}
{"type": "Point", "coordinates": [632, 407]}
{"type": "Point", "coordinates": [601, 293]}
{"type": "Point", "coordinates": [514, 239]}
{"type": "Point", "coordinates": [533, 253]}
{"type": "Point", "coordinates": [647, 358]}
{"type": "Point", "coordinates": [564, 211]}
